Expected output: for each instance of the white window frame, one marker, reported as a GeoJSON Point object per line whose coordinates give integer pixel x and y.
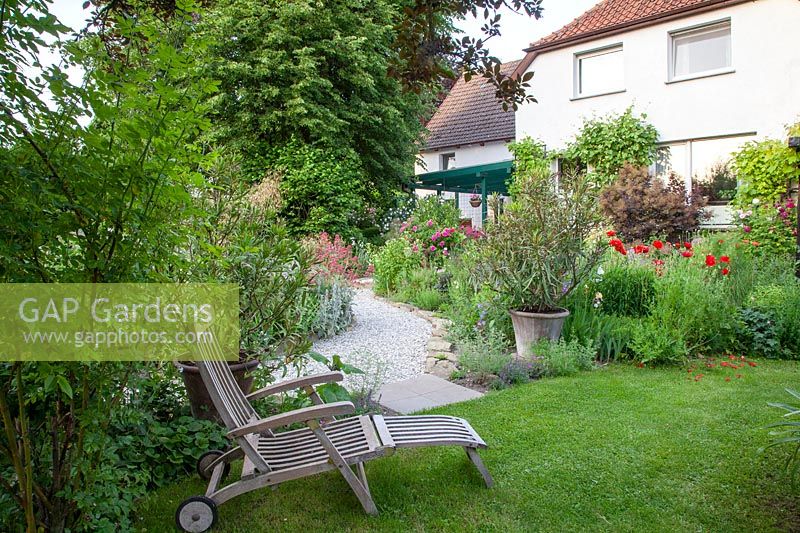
{"type": "Point", "coordinates": [700, 29]}
{"type": "Point", "coordinates": [576, 70]}
{"type": "Point", "coordinates": [444, 158]}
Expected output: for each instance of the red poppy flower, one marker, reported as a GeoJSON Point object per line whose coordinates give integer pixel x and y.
{"type": "Point", "coordinates": [615, 243]}
{"type": "Point", "coordinates": [687, 253]}
{"type": "Point", "coordinates": [687, 245]}
{"type": "Point", "coordinates": [658, 245]}
{"type": "Point", "coordinates": [611, 233]}
{"type": "Point", "coordinates": [731, 357]}
{"type": "Point", "coordinates": [710, 261]}
{"type": "Point", "coordinates": [725, 259]}
{"type": "Point", "coordinates": [725, 271]}
{"type": "Point", "coordinates": [751, 363]}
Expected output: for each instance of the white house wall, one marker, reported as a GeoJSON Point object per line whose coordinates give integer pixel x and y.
{"type": "Point", "coordinates": [465, 156]}
{"type": "Point", "coordinates": [756, 100]}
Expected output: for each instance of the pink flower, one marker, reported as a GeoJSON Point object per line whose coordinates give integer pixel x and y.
{"type": "Point", "coordinates": [414, 248]}
{"type": "Point", "coordinates": [747, 229]}
{"type": "Point", "coordinates": [413, 228]}
{"type": "Point", "coordinates": [445, 252]}
{"type": "Point", "coordinates": [432, 248]}
{"type": "Point", "coordinates": [429, 222]}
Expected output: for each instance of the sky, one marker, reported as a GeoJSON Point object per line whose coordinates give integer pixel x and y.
{"type": "Point", "coordinates": [517, 31]}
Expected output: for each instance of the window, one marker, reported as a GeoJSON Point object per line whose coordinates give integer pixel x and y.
{"type": "Point", "coordinates": [700, 51]}
{"type": "Point", "coordinates": [447, 161]}
{"type": "Point", "coordinates": [599, 72]}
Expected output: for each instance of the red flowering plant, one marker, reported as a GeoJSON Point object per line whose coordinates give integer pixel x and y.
{"type": "Point", "coordinates": [659, 252]}
{"type": "Point", "coordinates": [335, 258]}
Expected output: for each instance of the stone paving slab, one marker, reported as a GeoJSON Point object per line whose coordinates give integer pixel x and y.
{"type": "Point", "coordinates": [423, 392]}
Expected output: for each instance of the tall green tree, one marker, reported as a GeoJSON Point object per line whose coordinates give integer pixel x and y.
{"type": "Point", "coordinates": [314, 74]}
{"type": "Point", "coordinates": [95, 186]}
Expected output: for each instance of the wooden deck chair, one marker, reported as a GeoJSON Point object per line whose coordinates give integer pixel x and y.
{"type": "Point", "coordinates": [326, 443]}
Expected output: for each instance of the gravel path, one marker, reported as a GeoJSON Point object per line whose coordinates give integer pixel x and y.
{"type": "Point", "coordinates": [387, 343]}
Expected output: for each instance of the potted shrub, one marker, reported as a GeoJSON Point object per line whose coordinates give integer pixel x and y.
{"type": "Point", "coordinates": [542, 247]}
{"type": "Point", "coordinates": [246, 244]}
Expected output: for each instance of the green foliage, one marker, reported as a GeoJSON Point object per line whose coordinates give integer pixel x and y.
{"type": "Point", "coordinates": [758, 333]}
{"type": "Point", "coordinates": [608, 143]}
{"type": "Point", "coordinates": [781, 302]}
{"type": "Point", "coordinates": [321, 189]}
{"type": "Point", "coordinates": [518, 372]}
{"type": "Point", "coordinates": [719, 183]}
{"type": "Point", "coordinates": [691, 312]}
{"type": "Point", "coordinates": [564, 358]}
{"type": "Point", "coordinates": [334, 392]}
{"type": "Point", "coordinates": [764, 170]}
{"type": "Point", "coordinates": [272, 270]}
{"type": "Point", "coordinates": [97, 186]}
{"type": "Point", "coordinates": [627, 290]}
{"type": "Point", "coordinates": [443, 213]}
{"type": "Point", "coordinates": [587, 323]}
{"type": "Point", "coordinates": [651, 342]}
{"type": "Point", "coordinates": [530, 157]}
{"type": "Point", "coordinates": [641, 206]}
{"type": "Point", "coordinates": [545, 244]}
{"type": "Point", "coordinates": [314, 82]}
{"type": "Point", "coordinates": [429, 299]}
{"type": "Point", "coordinates": [789, 433]}
{"type": "Point", "coordinates": [155, 438]}
{"type": "Point", "coordinates": [770, 228]}
{"type": "Point", "coordinates": [333, 312]}
{"type": "Point", "coordinates": [391, 262]}
{"type": "Point", "coordinates": [483, 356]}
{"type": "Point", "coordinates": [473, 308]}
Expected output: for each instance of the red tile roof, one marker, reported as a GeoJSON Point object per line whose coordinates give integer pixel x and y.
{"type": "Point", "coordinates": [471, 114]}
{"type": "Point", "coordinates": [611, 15]}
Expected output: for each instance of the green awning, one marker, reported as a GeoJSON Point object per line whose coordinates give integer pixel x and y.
{"type": "Point", "coordinates": [492, 176]}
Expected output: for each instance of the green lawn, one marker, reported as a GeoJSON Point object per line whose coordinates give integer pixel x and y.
{"type": "Point", "coordinates": [621, 448]}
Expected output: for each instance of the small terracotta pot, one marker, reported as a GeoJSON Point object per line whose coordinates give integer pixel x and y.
{"type": "Point", "coordinates": [199, 400]}
{"type": "Point", "coordinates": [530, 327]}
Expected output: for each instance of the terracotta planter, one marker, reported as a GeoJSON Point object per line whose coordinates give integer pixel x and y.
{"type": "Point", "coordinates": [530, 327]}
{"type": "Point", "coordinates": [475, 202]}
{"type": "Point", "coordinates": [199, 400]}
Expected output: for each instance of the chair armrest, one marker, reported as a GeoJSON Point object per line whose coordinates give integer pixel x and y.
{"type": "Point", "coordinates": [300, 415]}
{"type": "Point", "coordinates": [297, 383]}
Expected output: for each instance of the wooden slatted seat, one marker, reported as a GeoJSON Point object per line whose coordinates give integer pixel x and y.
{"type": "Point", "coordinates": [326, 443]}
{"type": "Point", "coordinates": [431, 430]}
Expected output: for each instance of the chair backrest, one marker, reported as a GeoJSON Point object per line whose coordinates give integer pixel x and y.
{"type": "Point", "coordinates": [229, 400]}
